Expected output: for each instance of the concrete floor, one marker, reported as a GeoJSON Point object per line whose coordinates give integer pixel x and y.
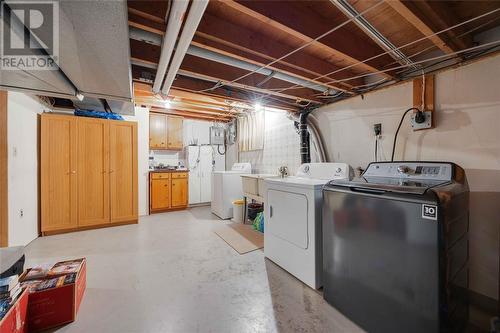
{"type": "Point", "coordinates": [171, 273]}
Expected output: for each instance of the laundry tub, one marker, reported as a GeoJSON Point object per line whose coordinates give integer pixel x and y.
{"type": "Point", "coordinates": [254, 183]}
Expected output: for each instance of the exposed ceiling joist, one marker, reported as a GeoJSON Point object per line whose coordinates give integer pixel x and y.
{"type": "Point", "coordinates": [195, 86]}
{"type": "Point", "coordinates": [214, 79]}
{"type": "Point", "coordinates": [225, 37]}
{"type": "Point", "coordinates": [416, 17]}
{"type": "Point", "coordinates": [190, 115]}
{"type": "Point", "coordinates": [288, 11]}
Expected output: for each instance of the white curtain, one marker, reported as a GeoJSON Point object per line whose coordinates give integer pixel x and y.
{"type": "Point", "coordinates": [251, 129]}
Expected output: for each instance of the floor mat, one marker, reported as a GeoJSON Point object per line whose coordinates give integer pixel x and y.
{"type": "Point", "coordinates": [241, 237]}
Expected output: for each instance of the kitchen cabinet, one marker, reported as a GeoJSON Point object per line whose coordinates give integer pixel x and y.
{"type": "Point", "coordinates": [88, 173]}
{"type": "Point", "coordinates": [165, 132]}
{"type": "Point", "coordinates": [157, 131]}
{"type": "Point", "coordinates": [174, 132]}
{"type": "Point", "coordinates": [167, 191]}
{"type": "Point", "coordinates": [159, 187]}
{"type": "Point", "coordinates": [58, 164]}
{"type": "Point", "coordinates": [179, 192]}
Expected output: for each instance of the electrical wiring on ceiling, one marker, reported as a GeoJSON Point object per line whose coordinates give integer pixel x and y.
{"type": "Point", "coordinates": [403, 46]}
{"type": "Point", "coordinates": [306, 44]}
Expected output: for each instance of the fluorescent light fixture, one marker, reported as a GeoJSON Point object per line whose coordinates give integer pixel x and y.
{"type": "Point", "coordinates": [257, 106]}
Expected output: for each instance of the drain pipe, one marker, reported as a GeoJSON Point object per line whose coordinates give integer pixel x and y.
{"type": "Point", "coordinates": [193, 19]}
{"type": "Point", "coordinates": [174, 23]}
{"type": "Point", "coordinates": [305, 146]}
{"type": "Point", "coordinates": [314, 135]}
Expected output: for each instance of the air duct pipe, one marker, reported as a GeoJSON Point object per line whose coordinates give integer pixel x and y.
{"type": "Point", "coordinates": [193, 19]}
{"type": "Point", "coordinates": [174, 23]}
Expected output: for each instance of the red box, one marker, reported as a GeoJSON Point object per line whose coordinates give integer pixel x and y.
{"type": "Point", "coordinates": [56, 306]}
{"type": "Point", "coordinates": [15, 319]}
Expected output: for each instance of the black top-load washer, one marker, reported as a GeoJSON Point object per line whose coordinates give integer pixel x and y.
{"type": "Point", "coordinates": [395, 247]}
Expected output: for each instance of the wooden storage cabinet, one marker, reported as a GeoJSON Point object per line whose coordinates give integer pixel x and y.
{"type": "Point", "coordinates": [58, 164]}
{"type": "Point", "coordinates": [167, 191]}
{"type": "Point", "coordinates": [88, 173]}
{"type": "Point", "coordinates": [165, 132]}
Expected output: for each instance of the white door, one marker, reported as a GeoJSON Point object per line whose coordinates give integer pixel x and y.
{"type": "Point", "coordinates": [288, 217]}
{"type": "Point", "coordinates": [206, 168]}
{"type": "Point", "coordinates": [217, 193]}
{"type": "Point", "coordinates": [194, 187]}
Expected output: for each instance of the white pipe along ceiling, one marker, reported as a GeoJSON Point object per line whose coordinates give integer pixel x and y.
{"type": "Point", "coordinates": [174, 23]}
{"type": "Point", "coordinates": [193, 19]}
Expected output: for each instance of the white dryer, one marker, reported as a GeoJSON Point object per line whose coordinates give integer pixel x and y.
{"type": "Point", "coordinates": [292, 211]}
{"type": "Point", "coordinates": [227, 187]}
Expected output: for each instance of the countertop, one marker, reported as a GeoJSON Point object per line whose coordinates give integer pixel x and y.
{"type": "Point", "coordinates": [166, 170]}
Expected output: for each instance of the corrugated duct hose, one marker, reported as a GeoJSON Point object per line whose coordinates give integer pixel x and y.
{"type": "Point", "coordinates": [307, 129]}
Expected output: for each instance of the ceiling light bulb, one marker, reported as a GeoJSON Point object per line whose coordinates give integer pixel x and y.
{"type": "Point", "coordinates": [257, 106]}
{"type": "Point", "coordinates": [166, 103]}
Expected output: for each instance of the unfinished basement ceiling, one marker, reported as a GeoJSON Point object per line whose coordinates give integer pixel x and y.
{"type": "Point", "coordinates": [295, 54]}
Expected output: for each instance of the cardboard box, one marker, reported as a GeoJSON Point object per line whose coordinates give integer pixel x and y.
{"type": "Point", "coordinates": [56, 306]}
{"type": "Point", "coordinates": [15, 319]}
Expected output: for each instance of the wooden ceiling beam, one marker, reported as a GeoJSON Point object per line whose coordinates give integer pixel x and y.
{"type": "Point", "coordinates": [193, 86]}
{"type": "Point", "coordinates": [421, 20]}
{"type": "Point", "coordinates": [190, 115]}
{"type": "Point", "coordinates": [235, 94]}
{"type": "Point", "coordinates": [144, 15]}
{"type": "Point", "coordinates": [142, 23]}
{"type": "Point", "coordinates": [282, 17]}
{"type": "Point", "coordinates": [225, 36]}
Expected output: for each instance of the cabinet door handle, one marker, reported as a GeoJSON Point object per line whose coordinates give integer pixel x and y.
{"type": "Point", "coordinates": [111, 171]}
{"type": "Point", "coordinates": [270, 211]}
{"type": "Point", "coordinates": [73, 172]}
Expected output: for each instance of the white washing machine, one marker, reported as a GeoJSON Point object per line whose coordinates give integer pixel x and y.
{"type": "Point", "coordinates": [227, 187]}
{"type": "Point", "coordinates": [292, 211]}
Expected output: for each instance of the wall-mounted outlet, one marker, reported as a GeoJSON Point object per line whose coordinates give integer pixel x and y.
{"type": "Point", "coordinates": [420, 124]}
{"type": "Point", "coordinates": [21, 212]}
{"type": "Point", "coordinates": [377, 129]}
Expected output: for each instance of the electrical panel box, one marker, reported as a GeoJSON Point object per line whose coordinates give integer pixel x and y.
{"type": "Point", "coordinates": [216, 135]}
{"type": "Point", "coordinates": [231, 132]}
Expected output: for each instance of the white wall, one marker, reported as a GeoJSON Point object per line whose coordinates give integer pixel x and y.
{"type": "Point", "coordinates": [467, 132]}
{"type": "Point", "coordinates": [22, 128]}
{"type": "Point", "coordinates": [281, 146]}
{"type": "Point", "coordinates": [142, 119]}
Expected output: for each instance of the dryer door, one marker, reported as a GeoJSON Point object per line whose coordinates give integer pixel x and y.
{"type": "Point", "coordinates": [288, 217]}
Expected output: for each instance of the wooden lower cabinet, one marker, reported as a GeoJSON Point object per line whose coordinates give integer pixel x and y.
{"type": "Point", "coordinates": [167, 191]}
{"type": "Point", "coordinates": [88, 171]}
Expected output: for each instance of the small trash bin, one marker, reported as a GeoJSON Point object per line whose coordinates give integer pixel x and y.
{"type": "Point", "coordinates": [238, 209]}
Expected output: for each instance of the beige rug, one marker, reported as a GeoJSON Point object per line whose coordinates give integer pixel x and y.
{"type": "Point", "coordinates": [241, 237]}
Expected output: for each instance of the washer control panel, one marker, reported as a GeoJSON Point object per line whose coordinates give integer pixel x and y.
{"type": "Point", "coordinates": [411, 170]}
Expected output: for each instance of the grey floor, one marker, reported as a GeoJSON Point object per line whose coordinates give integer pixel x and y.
{"type": "Point", "coordinates": [171, 273]}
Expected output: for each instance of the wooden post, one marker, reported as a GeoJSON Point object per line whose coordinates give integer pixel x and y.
{"type": "Point", "coordinates": [429, 94]}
